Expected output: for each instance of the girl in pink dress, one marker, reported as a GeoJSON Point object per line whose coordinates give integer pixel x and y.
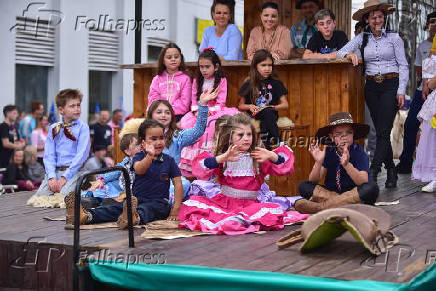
{"type": "Point", "coordinates": [209, 75]}
{"type": "Point", "coordinates": [172, 82]}
{"type": "Point", "coordinates": [240, 166]}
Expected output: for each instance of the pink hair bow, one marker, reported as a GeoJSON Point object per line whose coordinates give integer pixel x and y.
{"type": "Point", "coordinates": [209, 48]}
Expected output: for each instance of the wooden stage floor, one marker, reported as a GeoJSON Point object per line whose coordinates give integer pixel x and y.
{"type": "Point", "coordinates": [24, 235]}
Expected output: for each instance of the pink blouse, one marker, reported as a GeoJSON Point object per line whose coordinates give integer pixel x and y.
{"type": "Point", "coordinates": [278, 44]}
{"type": "Point", "coordinates": [37, 138]}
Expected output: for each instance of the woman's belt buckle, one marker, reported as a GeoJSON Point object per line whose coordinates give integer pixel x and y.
{"type": "Point", "coordinates": [378, 78]}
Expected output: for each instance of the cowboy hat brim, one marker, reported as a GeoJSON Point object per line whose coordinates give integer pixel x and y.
{"type": "Point", "coordinates": [360, 131]}
{"type": "Point", "coordinates": [387, 8]}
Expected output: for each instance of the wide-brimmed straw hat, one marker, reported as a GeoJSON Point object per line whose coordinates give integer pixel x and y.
{"type": "Point", "coordinates": [372, 5]}
{"type": "Point", "coordinates": [341, 118]}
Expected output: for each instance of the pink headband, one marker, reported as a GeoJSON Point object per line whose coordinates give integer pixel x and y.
{"type": "Point", "coordinates": [209, 48]}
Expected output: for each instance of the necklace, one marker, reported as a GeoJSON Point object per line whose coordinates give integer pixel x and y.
{"type": "Point", "coordinates": [267, 44]}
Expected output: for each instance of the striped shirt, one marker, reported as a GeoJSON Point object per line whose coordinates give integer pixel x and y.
{"type": "Point", "coordinates": [383, 55]}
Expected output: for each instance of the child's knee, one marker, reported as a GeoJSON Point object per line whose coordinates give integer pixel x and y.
{"type": "Point", "coordinates": [368, 192]}
{"type": "Point", "coordinates": [306, 188]}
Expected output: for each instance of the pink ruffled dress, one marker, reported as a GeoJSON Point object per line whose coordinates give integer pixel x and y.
{"type": "Point", "coordinates": [424, 168]}
{"type": "Point", "coordinates": [236, 209]}
{"type": "Point", "coordinates": [217, 108]}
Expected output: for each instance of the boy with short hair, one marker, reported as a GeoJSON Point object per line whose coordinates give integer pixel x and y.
{"type": "Point", "coordinates": [9, 137]}
{"type": "Point", "coordinates": [325, 43]}
{"type": "Point", "coordinates": [153, 171]}
{"type": "Point", "coordinates": [344, 164]}
{"type": "Point", "coordinates": [67, 146]}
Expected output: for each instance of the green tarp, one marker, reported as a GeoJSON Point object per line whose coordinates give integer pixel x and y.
{"type": "Point", "coordinates": [180, 277]}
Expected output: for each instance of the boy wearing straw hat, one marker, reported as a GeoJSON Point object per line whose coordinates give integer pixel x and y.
{"type": "Point", "coordinates": [344, 164]}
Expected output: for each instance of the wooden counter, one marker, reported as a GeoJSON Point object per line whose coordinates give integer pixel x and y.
{"type": "Point", "coordinates": [317, 88]}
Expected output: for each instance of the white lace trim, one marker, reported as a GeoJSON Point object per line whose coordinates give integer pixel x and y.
{"type": "Point", "coordinates": [195, 203]}
{"type": "Point", "coordinates": [237, 193]}
{"type": "Point", "coordinates": [242, 168]}
{"type": "Point", "coordinates": [237, 218]}
{"type": "Point", "coordinates": [264, 211]}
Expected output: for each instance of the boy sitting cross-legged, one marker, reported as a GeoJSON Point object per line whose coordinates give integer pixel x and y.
{"type": "Point", "coordinates": [153, 171]}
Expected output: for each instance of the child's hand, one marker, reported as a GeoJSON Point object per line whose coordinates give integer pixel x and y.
{"type": "Point", "coordinates": [317, 154]}
{"type": "Point", "coordinates": [97, 185]}
{"type": "Point", "coordinates": [173, 214]}
{"type": "Point", "coordinates": [260, 155]}
{"type": "Point", "coordinates": [231, 155]}
{"type": "Point", "coordinates": [254, 109]}
{"type": "Point", "coordinates": [208, 95]}
{"type": "Point", "coordinates": [345, 158]}
{"type": "Point", "coordinates": [61, 182]}
{"type": "Point", "coordinates": [53, 185]}
{"type": "Point", "coordinates": [148, 148]}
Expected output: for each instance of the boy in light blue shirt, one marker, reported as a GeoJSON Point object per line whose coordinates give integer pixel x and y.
{"type": "Point", "coordinates": [67, 146]}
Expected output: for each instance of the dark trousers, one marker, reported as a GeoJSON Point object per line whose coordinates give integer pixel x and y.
{"type": "Point", "coordinates": [148, 210]}
{"type": "Point", "coordinates": [268, 126]}
{"type": "Point", "coordinates": [411, 127]}
{"type": "Point", "coordinates": [368, 192]}
{"type": "Point", "coordinates": [381, 99]}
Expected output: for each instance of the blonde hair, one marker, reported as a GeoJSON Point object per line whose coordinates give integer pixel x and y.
{"type": "Point", "coordinates": [30, 155]}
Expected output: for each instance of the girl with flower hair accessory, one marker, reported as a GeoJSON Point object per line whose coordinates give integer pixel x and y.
{"type": "Point", "coordinates": [209, 75]}
{"type": "Point", "coordinates": [263, 95]}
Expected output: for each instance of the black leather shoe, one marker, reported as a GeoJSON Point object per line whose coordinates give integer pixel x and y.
{"type": "Point", "coordinates": [373, 175]}
{"type": "Point", "coordinates": [401, 169]}
{"type": "Point", "coordinates": [391, 181]}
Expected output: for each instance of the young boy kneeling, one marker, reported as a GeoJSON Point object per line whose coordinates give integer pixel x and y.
{"type": "Point", "coordinates": [153, 171]}
{"type": "Point", "coordinates": [345, 165]}
{"type": "Point", "coordinates": [67, 146]}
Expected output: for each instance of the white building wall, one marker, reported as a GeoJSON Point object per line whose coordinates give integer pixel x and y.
{"type": "Point", "coordinates": [71, 65]}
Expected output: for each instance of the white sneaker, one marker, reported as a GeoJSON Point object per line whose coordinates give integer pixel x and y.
{"type": "Point", "coordinates": [430, 187]}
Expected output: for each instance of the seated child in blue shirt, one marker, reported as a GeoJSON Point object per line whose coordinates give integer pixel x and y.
{"type": "Point", "coordinates": [153, 171]}
{"type": "Point", "coordinates": [67, 146]}
{"type": "Point", "coordinates": [344, 164]}
{"type": "Point", "coordinates": [108, 187]}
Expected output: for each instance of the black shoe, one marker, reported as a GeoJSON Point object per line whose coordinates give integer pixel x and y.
{"type": "Point", "coordinates": [401, 169]}
{"type": "Point", "coordinates": [373, 175]}
{"type": "Point", "coordinates": [391, 181]}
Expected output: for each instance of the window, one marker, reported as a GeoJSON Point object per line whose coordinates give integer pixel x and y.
{"type": "Point", "coordinates": [100, 91]}
{"type": "Point", "coordinates": [30, 85]}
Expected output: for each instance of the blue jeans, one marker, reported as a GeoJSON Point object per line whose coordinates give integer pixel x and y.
{"type": "Point", "coordinates": [148, 210]}
{"type": "Point", "coordinates": [411, 127]}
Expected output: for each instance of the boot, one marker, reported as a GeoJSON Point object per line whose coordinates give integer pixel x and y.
{"type": "Point", "coordinates": [84, 215]}
{"type": "Point", "coordinates": [321, 194]}
{"type": "Point", "coordinates": [373, 175]}
{"type": "Point", "coordinates": [122, 221]}
{"type": "Point", "coordinates": [310, 207]}
{"type": "Point", "coordinates": [391, 181]}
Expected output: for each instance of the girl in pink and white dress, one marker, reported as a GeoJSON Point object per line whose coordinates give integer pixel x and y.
{"type": "Point", "coordinates": [424, 168]}
{"type": "Point", "coordinates": [240, 166]}
{"type": "Point", "coordinates": [209, 75]}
